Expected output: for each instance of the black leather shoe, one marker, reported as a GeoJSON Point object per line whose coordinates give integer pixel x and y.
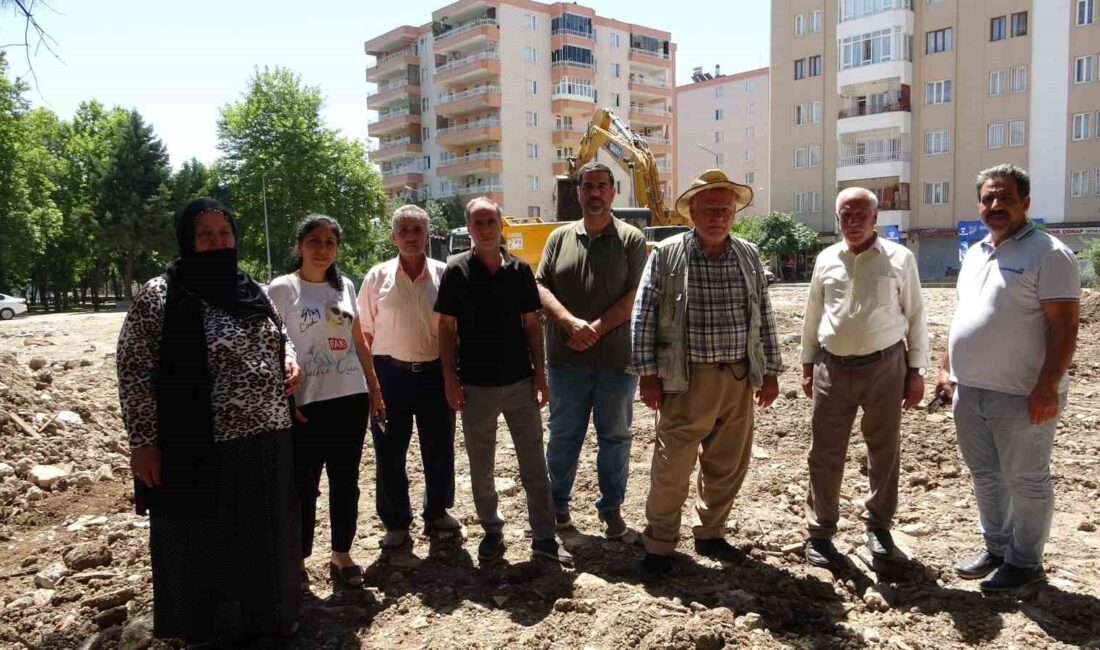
{"type": "Point", "coordinates": [491, 548]}
{"type": "Point", "coordinates": [1010, 577]}
{"type": "Point", "coordinates": [978, 566]}
{"type": "Point", "coordinates": [717, 548]}
{"type": "Point", "coordinates": [821, 552]}
{"type": "Point", "coordinates": [654, 567]}
{"type": "Point", "coordinates": [880, 542]}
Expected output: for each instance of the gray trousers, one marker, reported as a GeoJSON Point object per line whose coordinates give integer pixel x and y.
{"type": "Point", "coordinates": [839, 392]}
{"type": "Point", "coordinates": [484, 405]}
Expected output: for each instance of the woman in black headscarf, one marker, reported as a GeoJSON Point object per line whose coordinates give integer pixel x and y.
{"type": "Point", "coordinates": [204, 368]}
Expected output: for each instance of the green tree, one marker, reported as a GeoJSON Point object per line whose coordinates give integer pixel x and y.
{"type": "Point", "coordinates": [1092, 255]}
{"type": "Point", "coordinates": [274, 137]}
{"type": "Point", "coordinates": [14, 206]}
{"type": "Point", "coordinates": [777, 235]}
{"type": "Point", "coordinates": [133, 212]}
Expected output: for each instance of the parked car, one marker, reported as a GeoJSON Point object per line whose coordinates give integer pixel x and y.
{"type": "Point", "coordinates": [10, 306]}
{"type": "Point", "coordinates": [769, 275]}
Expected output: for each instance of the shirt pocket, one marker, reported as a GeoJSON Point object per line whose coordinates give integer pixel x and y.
{"type": "Point", "coordinates": [886, 287]}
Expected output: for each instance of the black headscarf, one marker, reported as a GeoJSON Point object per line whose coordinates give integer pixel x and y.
{"type": "Point", "coordinates": [185, 417]}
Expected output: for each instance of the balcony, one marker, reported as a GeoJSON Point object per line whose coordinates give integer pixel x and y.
{"type": "Point", "coordinates": [880, 164]}
{"type": "Point", "coordinates": [899, 72]}
{"type": "Point", "coordinates": [658, 144]}
{"type": "Point", "coordinates": [568, 134]}
{"type": "Point", "coordinates": [567, 97]}
{"type": "Point", "coordinates": [399, 178]}
{"type": "Point", "coordinates": [576, 69]}
{"type": "Point", "coordinates": [400, 90]}
{"type": "Point", "coordinates": [487, 130]}
{"type": "Point", "coordinates": [866, 117]}
{"type": "Point", "coordinates": [648, 86]}
{"type": "Point", "coordinates": [396, 149]}
{"type": "Point", "coordinates": [468, 101]}
{"type": "Point", "coordinates": [561, 167]}
{"type": "Point", "coordinates": [881, 18]}
{"type": "Point", "coordinates": [659, 115]}
{"type": "Point", "coordinates": [394, 121]}
{"type": "Point", "coordinates": [495, 191]}
{"type": "Point", "coordinates": [469, 69]}
{"type": "Point", "coordinates": [651, 59]}
{"type": "Point", "coordinates": [475, 163]}
{"type": "Point", "coordinates": [467, 35]}
{"type": "Point", "coordinates": [390, 64]}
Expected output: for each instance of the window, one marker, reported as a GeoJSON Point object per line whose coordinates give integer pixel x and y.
{"type": "Point", "coordinates": [815, 112]}
{"type": "Point", "coordinates": [719, 114]}
{"type": "Point", "coordinates": [614, 39]}
{"type": "Point", "coordinates": [532, 21]}
{"type": "Point", "coordinates": [995, 135]}
{"type": "Point", "coordinates": [564, 153]}
{"type": "Point", "coordinates": [937, 41]}
{"type": "Point", "coordinates": [750, 86]}
{"type": "Point", "coordinates": [815, 65]}
{"type": "Point", "coordinates": [616, 70]}
{"type": "Point", "coordinates": [997, 28]}
{"type": "Point", "coordinates": [532, 150]}
{"type": "Point", "coordinates": [423, 104]}
{"type": "Point", "coordinates": [933, 2]}
{"type": "Point", "coordinates": [750, 109]}
{"type": "Point", "coordinates": [750, 133]}
{"type": "Point", "coordinates": [1096, 183]}
{"type": "Point", "coordinates": [1016, 133]}
{"type": "Point", "coordinates": [937, 92]}
{"type": "Point", "coordinates": [750, 177]}
{"type": "Point", "coordinates": [529, 55]}
{"type": "Point", "coordinates": [996, 83]}
{"type": "Point", "coordinates": [748, 155]}
{"type": "Point", "coordinates": [425, 132]}
{"type": "Point", "coordinates": [1084, 12]}
{"type": "Point", "coordinates": [1079, 183]}
{"type": "Point", "coordinates": [800, 69]}
{"type": "Point", "coordinates": [615, 99]}
{"type": "Point", "coordinates": [532, 118]}
{"type": "Point", "coordinates": [815, 155]}
{"type": "Point", "coordinates": [936, 142]}
{"type": "Point", "coordinates": [815, 21]}
{"type": "Point", "coordinates": [1098, 125]}
{"type": "Point", "coordinates": [807, 202]}
{"type": "Point", "coordinates": [532, 182]}
{"type": "Point", "coordinates": [799, 25]}
{"type": "Point", "coordinates": [874, 47]}
{"type": "Point", "coordinates": [801, 156]}
{"type": "Point", "coordinates": [800, 115]}
{"type": "Point", "coordinates": [1019, 24]}
{"type": "Point", "coordinates": [427, 162]}
{"type": "Point", "coordinates": [1081, 126]}
{"type": "Point", "coordinates": [532, 87]}
{"type": "Point", "coordinates": [1082, 70]}
{"type": "Point", "coordinates": [534, 211]}
{"type": "Point", "coordinates": [936, 193]}
{"type": "Point", "coordinates": [1017, 82]}
{"type": "Point", "coordinates": [719, 91]}
{"type": "Point", "coordinates": [720, 159]}
{"type": "Point", "coordinates": [719, 136]}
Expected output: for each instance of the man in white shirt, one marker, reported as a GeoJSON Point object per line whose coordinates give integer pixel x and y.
{"type": "Point", "coordinates": [864, 345]}
{"type": "Point", "coordinates": [402, 330]}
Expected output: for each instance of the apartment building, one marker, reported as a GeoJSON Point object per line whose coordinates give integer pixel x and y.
{"type": "Point", "coordinates": [722, 122]}
{"type": "Point", "coordinates": [911, 98]}
{"type": "Point", "coordinates": [491, 96]}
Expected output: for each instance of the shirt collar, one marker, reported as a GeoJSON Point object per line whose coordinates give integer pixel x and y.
{"type": "Point", "coordinates": [1024, 231]}
{"type": "Point", "coordinates": [609, 229]}
{"type": "Point", "coordinates": [697, 248]}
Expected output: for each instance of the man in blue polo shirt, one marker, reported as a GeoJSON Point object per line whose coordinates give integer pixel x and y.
{"type": "Point", "coordinates": [1011, 342]}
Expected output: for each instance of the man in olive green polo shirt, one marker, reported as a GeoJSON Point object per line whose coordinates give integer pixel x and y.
{"type": "Point", "coordinates": [586, 279]}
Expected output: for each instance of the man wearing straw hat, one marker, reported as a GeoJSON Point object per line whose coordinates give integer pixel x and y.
{"type": "Point", "coordinates": [704, 344]}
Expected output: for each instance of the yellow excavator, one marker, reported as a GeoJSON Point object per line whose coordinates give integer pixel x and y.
{"type": "Point", "coordinates": [525, 237]}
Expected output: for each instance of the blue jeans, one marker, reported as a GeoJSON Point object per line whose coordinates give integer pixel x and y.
{"type": "Point", "coordinates": [608, 395]}
{"type": "Point", "coordinates": [1009, 460]}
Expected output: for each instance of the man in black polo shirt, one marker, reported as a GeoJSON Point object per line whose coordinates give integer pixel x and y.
{"type": "Point", "coordinates": [490, 342]}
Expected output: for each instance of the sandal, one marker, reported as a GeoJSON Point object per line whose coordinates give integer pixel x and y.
{"type": "Point", "coordinates": [347, 577]}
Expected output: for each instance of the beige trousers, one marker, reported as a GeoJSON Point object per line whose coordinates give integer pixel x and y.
{"type": "Point", "coordinates": [712, 421]}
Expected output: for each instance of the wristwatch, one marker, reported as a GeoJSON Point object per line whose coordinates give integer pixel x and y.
{"type": "Point", "coordinates": [919, 371]}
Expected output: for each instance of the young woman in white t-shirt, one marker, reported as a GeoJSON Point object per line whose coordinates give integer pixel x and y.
{"type": "Point", "coordinates": [338, 391]}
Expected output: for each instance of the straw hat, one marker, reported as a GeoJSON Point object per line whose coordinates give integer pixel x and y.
{"type": "Point", "coordinates": [710, 180]}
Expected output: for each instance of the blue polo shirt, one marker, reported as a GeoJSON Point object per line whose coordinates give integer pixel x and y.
{"type": "Point", "coordinates": [998, 335]}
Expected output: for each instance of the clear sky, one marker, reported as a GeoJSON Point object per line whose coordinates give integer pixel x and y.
{"type": "Point", "coordinates": [179, 62]}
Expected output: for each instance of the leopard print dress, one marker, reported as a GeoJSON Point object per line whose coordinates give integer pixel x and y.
{"type": "Point", "coordinates": [246, 374]}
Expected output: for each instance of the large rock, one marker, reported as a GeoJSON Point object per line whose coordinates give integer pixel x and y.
{"type": "Point", "coordinates": [37, 363]}
{"type": "Point", "coordinates": [87, 556]}
{"type": "Point", "coordinates": [138, 635]}
{"type": "Point", "coordinates": [587, 584]}
{"type": "Point", "coordinates": [45, 476]}
{"type": "Point", "coordinates": [109, 599]}
{"type": "Point", "coordinates": [113, 616]}
{"type": "Point", "coordinates": [70, 418]}
{"type": "Point", "coordinates": [6, 471]}
{"type": "Point", "coordinates": [48, 578]}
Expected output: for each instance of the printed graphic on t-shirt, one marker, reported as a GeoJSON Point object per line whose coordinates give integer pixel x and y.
{"type": "Point", "coordinates": [329, 351]}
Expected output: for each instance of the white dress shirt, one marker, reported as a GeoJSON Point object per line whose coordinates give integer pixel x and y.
{"type": "Point", "coordinates": [860, 304]}
{"type": "Point", "coordinates": [398, 311]}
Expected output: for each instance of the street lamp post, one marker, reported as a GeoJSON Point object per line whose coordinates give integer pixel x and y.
{"type": "Point", "coordinates": [267, 232]}
{"type": "Point", "coordinates": [711, 152]}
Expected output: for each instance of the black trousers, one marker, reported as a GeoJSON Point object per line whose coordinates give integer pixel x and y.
{"type": "Point", "coordinates": [410, 395]}
{"type": "Point", "coordinates": [332, 439]}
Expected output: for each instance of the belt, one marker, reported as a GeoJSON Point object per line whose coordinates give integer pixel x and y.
{"type": "Point", "coordinates": [862, 359]}
{"type": "Point", "coordinates": [413, 366]}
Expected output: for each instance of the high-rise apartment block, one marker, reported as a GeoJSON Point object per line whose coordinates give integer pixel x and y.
{"type": "Point", "coordinates": [722, 122]}
{"type": "Point", "coordinates": [911, 98]}
{"type": "Point", "coordinates": [492, 96]}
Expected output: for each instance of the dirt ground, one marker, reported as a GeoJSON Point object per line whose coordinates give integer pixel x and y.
{"type": "Point", "coordinates": [440, 598]}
